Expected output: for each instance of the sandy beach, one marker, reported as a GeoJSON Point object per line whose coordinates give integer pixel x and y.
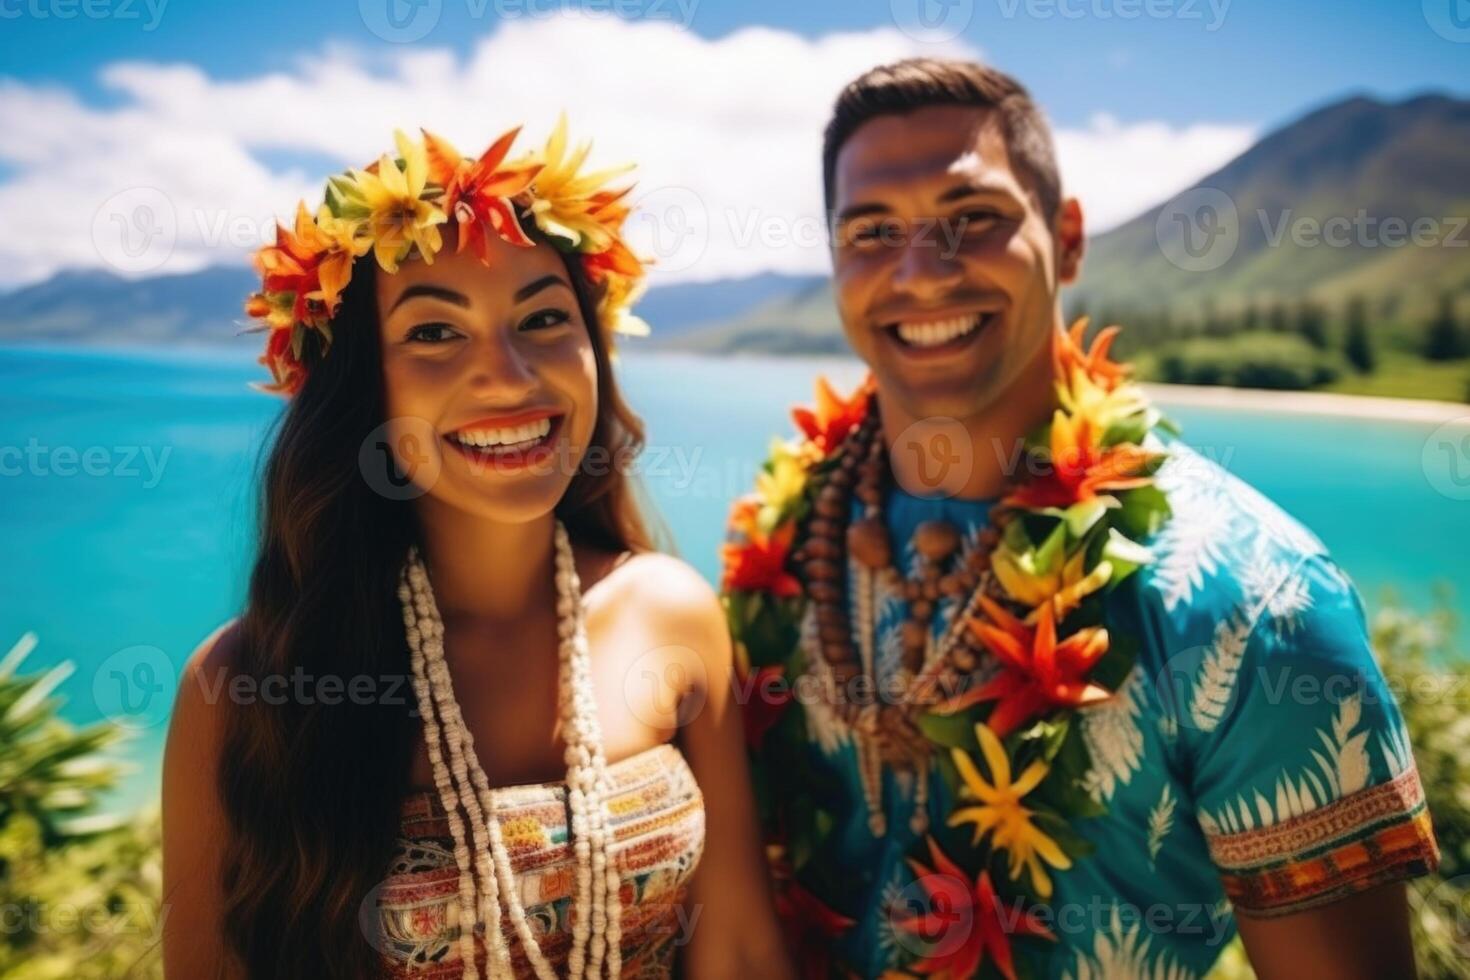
{"type": "Point", "coordinates": [1310, 403]}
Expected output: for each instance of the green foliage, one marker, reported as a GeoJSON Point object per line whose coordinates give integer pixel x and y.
{"type": "Point", "coordinates": [1445, 339]}
{"type": "Point", "coordinates": [1358, 346]}
{"type": "Point", "coordinates": [79, 893]}
{"type": "Point", "coordinates": [1249, 360]}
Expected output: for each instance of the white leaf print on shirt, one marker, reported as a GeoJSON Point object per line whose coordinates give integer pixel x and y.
{"type": "Point", "coordinates": [823, 725]}
{"type": "Point", "coordinates": [1114, 739]}
{"type": "Point", "coordinates": [1342, 769]}
{"type": "Point", "coordinates": [1160, 822]}
{"type": "Point", "coordinates": [1192, 542]}
{"type": "Point", "coordinates": [1124, 954]}
{"type": "Point", "coordinates": [1218, 672]}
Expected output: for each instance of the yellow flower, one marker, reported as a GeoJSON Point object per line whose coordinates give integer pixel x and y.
{"type": "Point", "coordinates": [397, 215]}
{"type": "Point", "coordinates": [569, 206]}
{"type": "Point", "coordinates": [999, 810]}
{"type": "Point", "coordinates": [1064, 585]}
{"type": "Point", "coordinates": [1083, 397]}
{"type": "Point", "coordinates": [616, 307]}
{"type": "Point", "coordinates": [780, 487]}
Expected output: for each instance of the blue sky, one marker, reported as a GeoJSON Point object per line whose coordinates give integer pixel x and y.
{"type": "Point", "coordinates": [218, 116]}
{"type": "Point", "coordinates": [1255, 60]}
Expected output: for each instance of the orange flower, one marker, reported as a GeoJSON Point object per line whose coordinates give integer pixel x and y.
{"type": "Point", "coordinates": [1037, 673]}
{"type": "Point", "coordinates": [757, 563]}
{"type": "Point", "coordinates": [1080, 466]}
{"type": "Point", "coordinates": [833, 416]}
{"type": "Point", "coordinates": [478, 193]}
{"type": "Point", "coordinates": [287, 370]}
{"type": "Point", "coordinates": [1094, 362]}
{"type": "Point", "coordinates": [967, 921]}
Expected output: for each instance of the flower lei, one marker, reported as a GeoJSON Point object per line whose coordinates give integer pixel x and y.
{"type": "Point", "coordinates": [1005, 743]}
{"type": "Point", "coordinates": [394, 208]}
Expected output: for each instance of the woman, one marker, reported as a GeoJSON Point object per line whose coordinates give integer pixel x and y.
{"type": "Point", "coordinates": [455, 591]}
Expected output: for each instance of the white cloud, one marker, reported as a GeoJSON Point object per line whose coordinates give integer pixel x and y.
{"type": "Point", "coordinates": [1119, 170]}
{"type": "Point", "coordinates": [726, 132]}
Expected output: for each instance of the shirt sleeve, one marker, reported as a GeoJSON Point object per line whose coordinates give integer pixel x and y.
{"type": "Point", "coordinates": [1303, 779]}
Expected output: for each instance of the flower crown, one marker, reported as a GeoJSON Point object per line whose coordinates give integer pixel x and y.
{"type": "Point", "coordinates": [394, 208]}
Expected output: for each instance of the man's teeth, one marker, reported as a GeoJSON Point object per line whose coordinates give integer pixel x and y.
{"type": "Point", "coordinates": [936, 332]}
{"type": "Point", "coordinates": [509, 437]}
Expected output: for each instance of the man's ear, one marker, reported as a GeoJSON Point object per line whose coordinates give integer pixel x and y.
{"type": "Point", "coordinates": [1071, 240]}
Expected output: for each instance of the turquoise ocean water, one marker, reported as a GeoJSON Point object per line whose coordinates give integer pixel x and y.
{"type": "Point", "coordinates": [127, 482]}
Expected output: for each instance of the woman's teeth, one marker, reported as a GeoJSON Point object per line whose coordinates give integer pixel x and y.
{"type": "Point", "coordinates": [936, 332]}
{"type": "Point", "coordinates": [508, 438]}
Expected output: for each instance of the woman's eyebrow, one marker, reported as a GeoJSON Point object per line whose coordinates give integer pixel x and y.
{"type": "Point", "coordinates": [437, 292]}
{"type": "Point", "coordinates": [531, 289]}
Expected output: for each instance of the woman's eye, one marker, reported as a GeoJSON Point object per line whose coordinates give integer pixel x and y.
{"type": "Point", "coordinates": [542, 319]}
{"type": "Point", "coordinates": [431, 333]}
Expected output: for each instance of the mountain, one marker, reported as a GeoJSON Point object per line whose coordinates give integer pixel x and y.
{"type": "Point", "coordinates": [1317, 208]}
{"type": "Point", "coordinates": [206, 307]}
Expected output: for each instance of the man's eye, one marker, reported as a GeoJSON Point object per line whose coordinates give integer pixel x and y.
{"type": "Point", "coordinates": [544, 319]}
{"type": "Point", "coordinates": [431, 333]}
{"type": "Point", "coordinates": [979, 218]}
{"type": "Point", "coordinates": [871, 233]}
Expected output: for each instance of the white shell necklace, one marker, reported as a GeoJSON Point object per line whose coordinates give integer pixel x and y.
{"type": "Point", "coordinates": [486, 878]}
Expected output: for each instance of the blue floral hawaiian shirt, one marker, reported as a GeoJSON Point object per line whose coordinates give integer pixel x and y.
{"type": "Point", "coordinates": [1254, 762]}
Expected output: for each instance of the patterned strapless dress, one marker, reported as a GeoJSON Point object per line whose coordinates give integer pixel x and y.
{"type": "Point", "coordinates": [658, 830]}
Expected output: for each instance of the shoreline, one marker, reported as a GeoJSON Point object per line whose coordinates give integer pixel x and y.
{"type": "Point", "coordinates": [1323, 403]}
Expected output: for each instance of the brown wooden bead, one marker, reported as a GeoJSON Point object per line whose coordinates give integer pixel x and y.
{"type": "Point", "coordinates": [978, 560]}
{"type": "Point", "coordinates": [823, 591]}
{"type": "Point", "coordinates": [833, 634]}
{"type": "Point", "coordinates": [837, 652]}
{"type": "Point", "coordinates": [912, 590]}
{"type": "Point", "coordinates": [931, 590]}
{"type": "Point", "coordinates": [952, 586]}
{"type": "Point", "coordinates": [867, 542]}
{"type": "Point", "coordinates": [963, 658]}
{"type": "Point", "coordinates": [821, 570]}
{"type": "Point", "coordinates": [830, 615]}
{"type": "Point", "coordinates": [830, 508]}
{"type": "Point", "coordinates": [936, 540]}
{"type": "Point", "coordinates": [870, 494]}
{"type": "Point", "coordinates": [821, 527]}
{"type": "Point", "coordinates": [922, 610]}
{"type": "Point", "coordinates": [820, 548]}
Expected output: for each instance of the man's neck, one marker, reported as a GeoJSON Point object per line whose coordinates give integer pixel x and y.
{"type": "Point", "coordinates": [993, 438]}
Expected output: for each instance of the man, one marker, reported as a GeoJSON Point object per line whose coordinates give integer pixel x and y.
{"type": "Point", "coordinates": [1158, 722]}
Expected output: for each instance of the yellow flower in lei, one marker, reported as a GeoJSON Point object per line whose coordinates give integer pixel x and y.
{"type": "Point", "coordinates": [781, 485]}
{"type": "Point", "coordinates": [569, 205]}
{"type": "Point", "coordinates": [392, 203]}
{"type": "Point", "coordinates": [998, 809]}
{"type": "Point", "coordinates": [1064, 584]}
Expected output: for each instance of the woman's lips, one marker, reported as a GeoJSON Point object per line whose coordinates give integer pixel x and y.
{"type": "Point", "coordinates": [511, 444]}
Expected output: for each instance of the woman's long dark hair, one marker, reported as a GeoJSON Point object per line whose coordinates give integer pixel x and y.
{"type": "Point", "coordinates": [312, 789]}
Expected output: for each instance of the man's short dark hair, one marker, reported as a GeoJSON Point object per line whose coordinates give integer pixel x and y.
{"type": "Point", "coordinates": [917, 83]}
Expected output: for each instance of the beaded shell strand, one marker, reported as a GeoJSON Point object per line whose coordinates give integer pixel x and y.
{"type": "Point", "coordinates": [485, 873]}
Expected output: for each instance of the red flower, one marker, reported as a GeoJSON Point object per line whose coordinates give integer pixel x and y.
{"type": "Point", "coordinates": [1037, 673]}
{"type": "Point", "coordinates": [810, 927]}
{"type": "Point", "coordinates": [288, 372]}
{"type": "Point", "coordinates": [1081, 467]}
{"type": "Point", "coordinates": [764, 699]}
{"type": "Point", "coordinates": [478, 194]}
{"type": "Point", "coordinates": [756, 562]}
{"type": "Point", "coordinates": [965, 921]}
{"type": "Point", "coordinates": [828, 422]}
